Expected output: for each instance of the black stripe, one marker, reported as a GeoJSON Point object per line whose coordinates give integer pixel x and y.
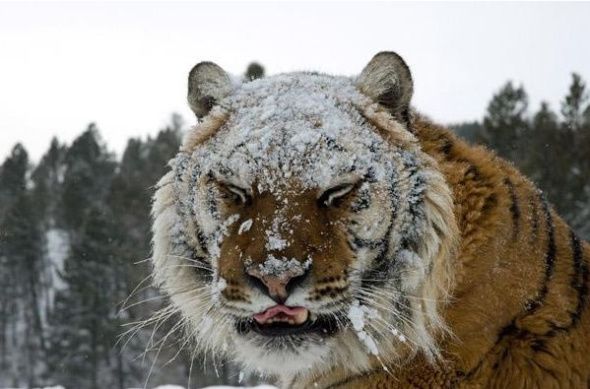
{"type": "Point", "coordinates": [446, 147]}
{"type": "Point", "coordinates": [362, 202]}
{"type": "Point", "coordinates": [534, 219]}
{"type": "Point", "coordinates": [361, 243]}
{"type": "Point", "coordinates": [580, 278]}
{"type": "Point", "coordinates": [201, 268]}
{"type": "Point", "coordinates": [379, 274]}
{"type": "Point", "coordinates": [514, 207]}
{"type": "Point", "coordinates": [512, 330]}
{"type": "Point", "coordinates": [549, 258]}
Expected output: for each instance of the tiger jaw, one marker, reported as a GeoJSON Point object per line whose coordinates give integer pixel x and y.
{"type": "Point", "coordinates": [284, 321]}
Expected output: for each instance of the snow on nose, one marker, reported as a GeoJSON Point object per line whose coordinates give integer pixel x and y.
{"type": "Point", "coordinates": [283, 313]}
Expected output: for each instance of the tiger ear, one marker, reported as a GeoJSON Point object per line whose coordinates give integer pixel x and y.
{"type": "Point", "coordinates": [207, 85]}
{"type": "Point", "coordinates": [387, 80]}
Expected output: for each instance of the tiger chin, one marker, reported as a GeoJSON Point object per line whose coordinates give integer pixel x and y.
{"type": "Point", "coordinates": [315, 229]}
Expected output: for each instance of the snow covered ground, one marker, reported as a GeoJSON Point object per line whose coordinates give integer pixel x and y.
{"type": "Point", "coordinates": [178, 387]}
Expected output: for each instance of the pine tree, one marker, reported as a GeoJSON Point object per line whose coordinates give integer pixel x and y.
{"type": "Point", "coordinates": [575, 109]}
{"type": "Point", "coordinates": [48, 181]}
{"type": "Point", "coordinates": [574, 106]}
{"type": "Point", "coordinates": [470, 131]}
{"type": "Point", "coordinates": [20, 269]}
{"type": "Point", "coordinates": [141, 166]}
{"type": "Point", "coordinates": [505, 124]}
{"type": "Point", "coordinates": [548, 159]}
{"type": "Point", "coordinates": [81, 345]}
{"type": "Point", "coordinates": [89, 169]}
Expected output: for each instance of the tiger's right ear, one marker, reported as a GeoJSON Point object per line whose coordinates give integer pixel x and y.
{"type": "Point", "coordinates": [207, 85]}
{"type": "Point", "coordinates": [387, 80]}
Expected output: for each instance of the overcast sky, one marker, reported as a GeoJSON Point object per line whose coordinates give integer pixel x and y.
{"type": "Point", "coordinates": [124, 66]}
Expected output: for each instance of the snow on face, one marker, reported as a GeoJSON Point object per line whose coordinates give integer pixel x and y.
{"type": "Point", "coordinates": [292, 134]}
{"type": "Point", "coordinates": [285, 135]}
{"type": "Point", "coordinates": [293, 130]}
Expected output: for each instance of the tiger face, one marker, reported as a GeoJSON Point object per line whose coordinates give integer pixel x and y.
{"type": "Point", "coordinates": [301, 225]}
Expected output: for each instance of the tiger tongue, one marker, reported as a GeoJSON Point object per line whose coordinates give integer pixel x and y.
{"type": "Point", "coordinates": [296, 315]}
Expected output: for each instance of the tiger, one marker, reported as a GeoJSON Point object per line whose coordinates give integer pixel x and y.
{"type": "Point", "coordinates": [321, 232]}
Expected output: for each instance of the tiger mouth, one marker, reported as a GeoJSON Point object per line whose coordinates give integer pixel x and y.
{"type": "Point", "coordinates": [287, 321]}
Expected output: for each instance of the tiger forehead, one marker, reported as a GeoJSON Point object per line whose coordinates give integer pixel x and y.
{"type": "Point", "coordinates": [301, 126]}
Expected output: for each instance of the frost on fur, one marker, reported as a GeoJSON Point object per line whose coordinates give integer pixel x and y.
{"type": "Point", "coordinates": [283, 136]}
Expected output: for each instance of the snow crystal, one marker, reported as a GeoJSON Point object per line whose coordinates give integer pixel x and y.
{"type": "Point", "coordinates": [214, 244]}
{"type": "Point", "coordinates": [228, 222]}
{"type": "Point", "coordinates": [274, 266]}
{"type": "Point", "coordinates": [356, 316]}
{"type": "Point", "coordinates": [219, 286]}
{"type": "Point", "coordinates": [245, 226]}
{"type": "Point", "coordinates": [169, 387]}
{"type": "Point", "coordinates": [274, 241]}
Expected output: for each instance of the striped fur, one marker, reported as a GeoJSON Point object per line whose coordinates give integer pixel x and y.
{"type": "Point", "coordinates": [466, 275]}
{"type": "Point", "coordinates": [519, 308]}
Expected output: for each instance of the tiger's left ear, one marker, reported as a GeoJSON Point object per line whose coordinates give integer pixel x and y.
{"type": "Point", "coordinates": [388, 81]}
{"type": "Point", "coordinates": [208, 84]}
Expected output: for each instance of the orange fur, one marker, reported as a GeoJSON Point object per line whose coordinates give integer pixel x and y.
{"type": "Point", "coordinates": [518, 312]}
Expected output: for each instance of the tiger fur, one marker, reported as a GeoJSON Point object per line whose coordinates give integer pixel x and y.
{"type": "Point", "coordinates": [426, 262]}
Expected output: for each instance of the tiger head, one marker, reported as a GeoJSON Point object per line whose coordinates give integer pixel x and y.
{"type": "Point", "coordinates": [301, 227]}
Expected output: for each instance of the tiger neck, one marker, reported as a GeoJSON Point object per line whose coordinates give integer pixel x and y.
{"type": "Point", "coordinates": [507, 279]}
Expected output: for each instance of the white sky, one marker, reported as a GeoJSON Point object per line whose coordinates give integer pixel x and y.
{"type": "Point", "coordinates": [124, 66]}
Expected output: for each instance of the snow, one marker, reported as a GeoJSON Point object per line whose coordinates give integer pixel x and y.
{"type": "Point", "coordinates": [274, 266]}
{"type": "Point", "coordinates": [58, 244]}
{"type": "Point", "coordinates": [169, 387]}
{"type": "Point", "coordinates": [356, 315]}
{"type": "Point", "coordinates": [245, 226]}
{"type": "Point", "coordinates": [45, 387]}
{"type": "Point", "coordinates": [274, 241]}
{"type": "Point", "coordinates": [299, 126]}
{"type": "Point", "coordinates": [57, 250]}
{"type": "Point", "coordinates": [228, 222]}
{"type": "Point", "coordinates": [282, 136]}
{"type": "Point", "coordinates": [218, 287]}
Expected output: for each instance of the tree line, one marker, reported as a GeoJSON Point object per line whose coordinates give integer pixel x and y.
{"type": "Point", "coordinates": [551, 148]}
{"type": "Point", "coordinates": [75, 231]}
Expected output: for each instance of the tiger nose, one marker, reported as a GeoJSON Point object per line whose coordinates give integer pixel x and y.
{"type": "Point", "coordinates": [276, 286]}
